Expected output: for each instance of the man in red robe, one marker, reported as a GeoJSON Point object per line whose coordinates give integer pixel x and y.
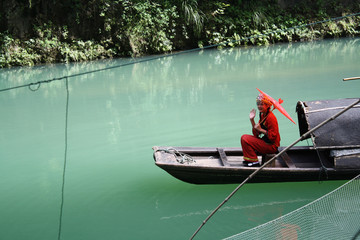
{"type": "Point", "coordinates": [266, 136]}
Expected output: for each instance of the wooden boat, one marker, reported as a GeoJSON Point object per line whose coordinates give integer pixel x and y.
{"type": "Point", "coordinates": [333, 155]}
{"type": "Point", "coordinates": [224, 165]}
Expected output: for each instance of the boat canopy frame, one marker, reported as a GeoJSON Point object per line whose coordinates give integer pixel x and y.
{"type": "Point", "coordinates": [341, 133]}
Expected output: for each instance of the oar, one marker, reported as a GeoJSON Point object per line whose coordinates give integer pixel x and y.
{"type": "Point", "coordinates": [272, 159]}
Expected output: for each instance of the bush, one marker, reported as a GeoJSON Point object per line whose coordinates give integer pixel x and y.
{"type": "Point", "coordinates": [99, 29]}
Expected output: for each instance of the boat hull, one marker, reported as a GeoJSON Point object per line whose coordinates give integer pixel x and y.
{"type": "Point", "coordinates": [208, 168]}
{"type": "Point", "coordinates": [232, 176]}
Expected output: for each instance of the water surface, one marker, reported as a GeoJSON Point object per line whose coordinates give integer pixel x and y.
{"type": "Point", "coordinates": [113, 190]}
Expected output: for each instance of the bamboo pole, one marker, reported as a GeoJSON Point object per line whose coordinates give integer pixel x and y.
{"type": "Point", "coordinates": [352, 78]}
{"type": "Point", "coordinates": [272, 159]}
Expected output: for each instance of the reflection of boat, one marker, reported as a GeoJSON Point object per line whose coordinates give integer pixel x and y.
{"type": "Point", "coordinates": [335, 154]}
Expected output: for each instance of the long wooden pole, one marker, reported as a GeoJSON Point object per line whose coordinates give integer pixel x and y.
{"type": "Point", "coordinates": [352, 78]}
{"type": "Point", "coordinates": [272, 159]}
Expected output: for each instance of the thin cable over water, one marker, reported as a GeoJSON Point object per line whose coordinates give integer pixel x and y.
{"type": "Point", "coordinates": [36, 85]}
{"type": "Point", "coordinates": [65, 158]}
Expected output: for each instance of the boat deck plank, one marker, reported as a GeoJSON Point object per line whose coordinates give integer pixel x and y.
{"type": "Point", "coordinates": [288, 160]}
{"type": "Point", "coordinates": [223, 157]}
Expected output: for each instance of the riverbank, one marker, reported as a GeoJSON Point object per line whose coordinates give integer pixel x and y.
{"type": "Point", "coordinates": [146, 29]}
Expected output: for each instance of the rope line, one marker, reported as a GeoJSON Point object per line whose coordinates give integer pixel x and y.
{"type": "Point", "coordinates": [35, 86]}
{"type": "Point", "coordinates": [65, 158]}
{"type": "Point", "coordinates": [322, 169]}
{"type": "Point", "coordinates": [179, 156]}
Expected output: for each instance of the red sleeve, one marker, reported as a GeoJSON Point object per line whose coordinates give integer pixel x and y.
{"type": "Point", "coordinates": [255, 132]}
{"type": "Point", "coordinates": [273, 129]}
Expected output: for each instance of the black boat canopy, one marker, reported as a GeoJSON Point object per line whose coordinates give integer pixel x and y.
{"type": "Point", "coordinates": [342, 132]}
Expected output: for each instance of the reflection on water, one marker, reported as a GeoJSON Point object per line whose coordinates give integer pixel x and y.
{"type": "Point", "coordinates": [160, 78]}
{"type": "Point", "coordinates": [252, 210]}
{"type": "Point", "coordinates": [112, 186]}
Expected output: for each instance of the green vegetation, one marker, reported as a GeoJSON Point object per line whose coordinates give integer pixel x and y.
{"type": "Point", "coordinates": [37, 31]}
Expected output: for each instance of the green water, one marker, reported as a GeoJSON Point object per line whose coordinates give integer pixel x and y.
{"type": "Point", "coordinates": [113, 190]}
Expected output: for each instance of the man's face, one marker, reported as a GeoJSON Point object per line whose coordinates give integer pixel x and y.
{"type": "Point", "coordinates": [262, 107]}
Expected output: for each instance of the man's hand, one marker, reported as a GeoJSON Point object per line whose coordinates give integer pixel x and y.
{"type": "Point", "coordinates": [252, 114]}
{"type": "Point", "coordinates": [258, 128]}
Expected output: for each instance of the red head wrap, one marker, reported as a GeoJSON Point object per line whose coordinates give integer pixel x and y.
{"type": "Point", "coordinates": [264, 99]}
